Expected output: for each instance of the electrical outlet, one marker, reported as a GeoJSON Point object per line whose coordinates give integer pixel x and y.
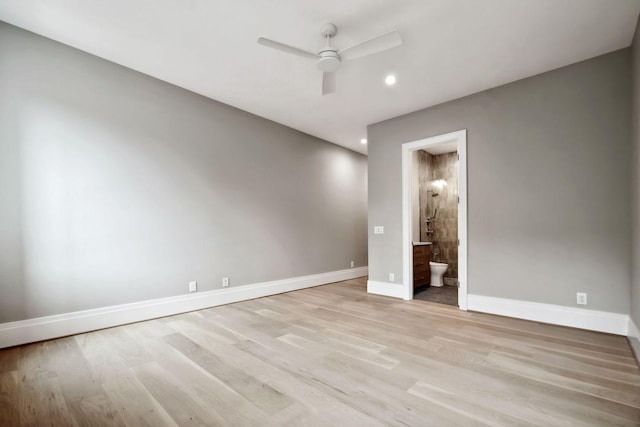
{"type": "Point", "coordinates": [378, 229]}
{"type": "Point", "coordinates": [581, 298]}
{"type": "Point", "coordinates": [225, 282]}
{"type": "Point", "coordinates": [392, 277]}
{"type": "Point", "coordinates": [193, 286]}
{"type": "Point", "coordinates": [353, 264]}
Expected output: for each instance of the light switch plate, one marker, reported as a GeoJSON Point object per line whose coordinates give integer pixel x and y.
{"type": "Point", "coordinates": [378, 229]}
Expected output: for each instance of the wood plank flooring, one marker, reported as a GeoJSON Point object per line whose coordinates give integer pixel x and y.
{"type": "Point", "coordinates": [331, 355]}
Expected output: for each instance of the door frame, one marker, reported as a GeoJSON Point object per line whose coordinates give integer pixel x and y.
{"type": "Point", "coordinates": [407, 254]}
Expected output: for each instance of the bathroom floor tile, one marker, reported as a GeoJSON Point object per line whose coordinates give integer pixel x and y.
{"type": "Point", "coordinates": [442, 295]}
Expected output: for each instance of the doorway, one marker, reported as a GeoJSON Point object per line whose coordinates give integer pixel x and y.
{"type": "Point", "coordinates": [450, 142]}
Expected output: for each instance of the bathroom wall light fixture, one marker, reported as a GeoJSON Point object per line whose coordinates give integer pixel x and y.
{"type": "Point", "coordinates": [440, 183]}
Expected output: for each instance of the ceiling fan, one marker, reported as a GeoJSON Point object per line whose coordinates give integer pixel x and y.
{"type": "Point", "coordinates": [329, 58]}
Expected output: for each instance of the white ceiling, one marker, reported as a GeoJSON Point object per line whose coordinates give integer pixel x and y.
{"type": "Point", "coordinates": [451, 48]}
{"type": "Point", "coordinates": [442, 147]}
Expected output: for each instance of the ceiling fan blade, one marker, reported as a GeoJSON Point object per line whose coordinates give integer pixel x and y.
{"type": "Point", "coordinates": [328, 83]}
{"type": "Point", "coordinates": [371, 46]}
{"type": "Point", "coordinates": [285, 48]}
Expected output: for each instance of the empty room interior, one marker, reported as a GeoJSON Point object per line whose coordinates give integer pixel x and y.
{"type": "Point", "coordinates": [352, 213]}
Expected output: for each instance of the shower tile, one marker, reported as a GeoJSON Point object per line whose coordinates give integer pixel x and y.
{"type": "Point", "coordinates": [445, 225]}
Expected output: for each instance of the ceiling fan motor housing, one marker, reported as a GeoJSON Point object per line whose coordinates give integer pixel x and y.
{"type": "Point", "coordinates": [328, 60]}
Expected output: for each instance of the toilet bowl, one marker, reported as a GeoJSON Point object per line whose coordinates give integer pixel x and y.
{"type": "Point", "coordinates": [437, 271]}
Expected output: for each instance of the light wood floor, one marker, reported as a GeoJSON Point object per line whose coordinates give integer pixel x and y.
{"type": "Point", "coordinates": [330, 355]}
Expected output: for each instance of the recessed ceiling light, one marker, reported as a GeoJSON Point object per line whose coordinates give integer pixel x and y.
{"type": "Point", "coordinates": [363, 141]}
{"type": "Point", "coordinates": [390, 80]}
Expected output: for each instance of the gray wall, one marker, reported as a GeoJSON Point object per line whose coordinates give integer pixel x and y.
{"type": "Point", "coordinates": [635, 195]}
{"type": "Point", "coordinates": [548, 185]}
{"type": "Point", "coordinates": [116, 187]}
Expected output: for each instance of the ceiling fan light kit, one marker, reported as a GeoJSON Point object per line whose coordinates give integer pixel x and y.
{"type": "Point", "coordinates": [328, 58]}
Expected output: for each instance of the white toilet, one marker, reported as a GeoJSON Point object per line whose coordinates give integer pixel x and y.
{"type": "Point", "coordinates": [437, 271]}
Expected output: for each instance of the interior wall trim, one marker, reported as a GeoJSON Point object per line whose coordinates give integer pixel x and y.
{"type": "Point", "coordinates": [593, 320]}
{"type": "Point", "coordinates": [48, 327]}
{"type": "Point", "coordinates": [634, 340]}
{"type": "Point", "coordinates": [408, 148]}
{"type": "Point", "coordinates": [633, 329]}
{"type": "Point", "coordinates": [386, 289]}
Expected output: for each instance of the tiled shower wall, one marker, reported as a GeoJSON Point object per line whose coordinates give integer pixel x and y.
{"type": "Point", "coordinates": [445, 224]}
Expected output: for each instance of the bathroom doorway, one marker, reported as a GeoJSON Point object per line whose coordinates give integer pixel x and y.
{"type": "Point", "coordinates": [434, 198]}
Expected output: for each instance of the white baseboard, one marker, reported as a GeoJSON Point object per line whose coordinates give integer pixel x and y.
{"type": "Point", "coordinates": [634, 339]}
{"type": "Point", "coordinates": [601, 321]}
{"type": "Point", "coordinates": [387, 289]}
{"type": "Point", "coordinates": [633, 329]}
{"type": "Point", "coordinates": [44, 328]}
